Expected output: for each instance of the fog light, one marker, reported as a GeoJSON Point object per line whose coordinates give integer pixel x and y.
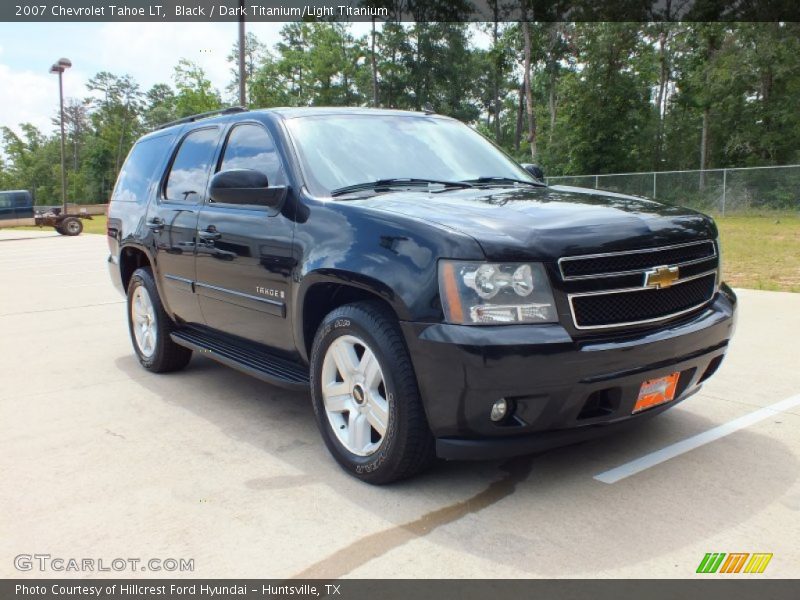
{"type": "Point", "coordinates": [499, 410]}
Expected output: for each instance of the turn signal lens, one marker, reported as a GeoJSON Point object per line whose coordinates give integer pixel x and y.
{"type": "Point", "coordinates": [449, 292]}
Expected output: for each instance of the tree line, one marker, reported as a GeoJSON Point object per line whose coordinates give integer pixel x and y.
{"type": "Point", "coordinates": [576, 98]}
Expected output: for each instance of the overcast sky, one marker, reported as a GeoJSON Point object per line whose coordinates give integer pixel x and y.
{"type": "Point", "coordinates": [146, 51]}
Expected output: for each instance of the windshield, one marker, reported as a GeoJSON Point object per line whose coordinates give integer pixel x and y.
{"type": "Point", "coordinates": [344, 150]}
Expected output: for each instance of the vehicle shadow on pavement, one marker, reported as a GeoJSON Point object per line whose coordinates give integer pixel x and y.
{"type": "Point", "coordinates": [531, 511]}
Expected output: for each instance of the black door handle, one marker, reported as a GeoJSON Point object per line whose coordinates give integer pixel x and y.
{"type": "Point", "coordinates": [156, 224]}
{"type": "Point", "coordinates": [209, 234]}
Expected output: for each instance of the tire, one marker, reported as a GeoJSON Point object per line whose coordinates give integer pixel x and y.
{"type": "Point", "coordinates": [60, 231]}
{"type": "Point", "coordinates": [71, 226]}
{"type": "Point", "coordinates": [347, 406]}
{"type": "Point", "coordinates": [151, 341]}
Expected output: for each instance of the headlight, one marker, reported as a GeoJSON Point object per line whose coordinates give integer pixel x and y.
{"type": "Point", "coordinates": [478, 293]}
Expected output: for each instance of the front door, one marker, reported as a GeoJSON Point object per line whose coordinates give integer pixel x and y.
{"type": "Point", "coordinates": [244, 252]}
{"type": "Point", "coordinates": [173, 220]}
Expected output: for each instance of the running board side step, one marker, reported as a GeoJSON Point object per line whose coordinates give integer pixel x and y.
{"type": "Point", "coordinates": [259, 364]}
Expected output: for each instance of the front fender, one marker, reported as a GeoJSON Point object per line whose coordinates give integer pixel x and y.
{"type": "Point", "coordinates": [327, 276]}
{"type": "Point", "coordinates": [369, 284]}
{"type": "Point", "coordinates": [393, 257]}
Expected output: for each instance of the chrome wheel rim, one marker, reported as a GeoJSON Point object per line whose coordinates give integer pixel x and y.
{"type": "Point", "coordinates": [143, 318]}
{"type": "Point", "coordinates": [354, 395]}
{"type": "Point", "coordinates": [72, 226]}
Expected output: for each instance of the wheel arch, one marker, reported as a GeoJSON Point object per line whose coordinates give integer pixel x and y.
{"type": "Point", "coordinates": [133, 257]}
{"type": "Point", "coordinates": [327, 290]}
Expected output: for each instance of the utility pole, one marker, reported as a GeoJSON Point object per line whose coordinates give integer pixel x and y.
{"type": "Point", "coordinates": [242, 70]}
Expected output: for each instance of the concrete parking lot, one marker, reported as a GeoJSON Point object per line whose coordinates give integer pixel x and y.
{"type": "Point", "coordinates": [101, 459]}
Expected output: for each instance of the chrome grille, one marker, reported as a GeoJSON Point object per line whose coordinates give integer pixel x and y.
{"type": "Point", "coordinates": [618, 294]}
{"type": "Point", "coordinates": [622, 263]}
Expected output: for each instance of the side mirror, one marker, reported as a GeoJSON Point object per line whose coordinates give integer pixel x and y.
{"type": "Point", "coordinates": [245, 187]}
{"type": "Point", "coordinates": [534, 170]}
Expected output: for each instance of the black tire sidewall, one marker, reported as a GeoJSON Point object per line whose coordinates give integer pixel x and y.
{"type": "Point", "coordinates": [339, 323]}
{"type": "Point", "coordinates": [67, 222]}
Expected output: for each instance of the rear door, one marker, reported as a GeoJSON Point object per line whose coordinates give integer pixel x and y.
{"type": "Point", "coordinates": [172, 218]}
{"type": "Point", "coordinates": [244, 252]}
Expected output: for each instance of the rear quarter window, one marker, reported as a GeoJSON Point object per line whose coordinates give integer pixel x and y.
{"type": "Point", "coordinates": [141, 168]}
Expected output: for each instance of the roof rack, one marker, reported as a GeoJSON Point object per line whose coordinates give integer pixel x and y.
{"type": "Point", "coordinates": [212, 113]}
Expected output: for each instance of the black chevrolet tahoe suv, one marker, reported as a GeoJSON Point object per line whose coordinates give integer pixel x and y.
{"type": "Point", "coordinates": [435, 296]}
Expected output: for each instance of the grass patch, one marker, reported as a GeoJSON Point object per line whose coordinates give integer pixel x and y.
{"type": "Point", "coordinates": [96, 225]}
{"type": "Point", "coordinates": [761, 252]}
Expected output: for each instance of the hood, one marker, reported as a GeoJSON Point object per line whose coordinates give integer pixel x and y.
{"type": "Point", "coordinates": [549, 222]}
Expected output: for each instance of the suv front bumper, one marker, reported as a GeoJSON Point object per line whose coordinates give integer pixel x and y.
{"type": "Point", "coordinates": [563, 390]}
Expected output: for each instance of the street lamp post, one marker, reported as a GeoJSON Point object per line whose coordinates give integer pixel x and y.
{"type": "Point", "coordinates": [59, 67]}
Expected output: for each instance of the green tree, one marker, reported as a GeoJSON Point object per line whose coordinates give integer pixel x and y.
{"type": "Point", "coordinates": [116, 123]}
{"type": "Point", "coordinates": [195, 92]}
{"type": "Point", "coordinates": [605, 115]}
{"type": "Point", "coordinates": [33, 163]}
{"type": "Point", "coordinates": [604, 97]}
{"type": "Point", "coordinates": [254, 52]}
{"type": "Point", "coordinates": [77, 127]}
{"type": "Point", "coordinates": [268, 86]}
{"type": "Point", "coordinates": [6, 177]}
{"type": "Point", "coordinates": [159, 106]}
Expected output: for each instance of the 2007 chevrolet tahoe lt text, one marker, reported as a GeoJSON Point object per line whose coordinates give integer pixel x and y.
{"type": "Point", "coordinates": [436, 297]}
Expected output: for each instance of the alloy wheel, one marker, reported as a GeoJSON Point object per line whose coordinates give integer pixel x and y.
{"type": "Point", "coordinates": [144, 321]}
{"type": "Point", "coordinates": [354, 395]}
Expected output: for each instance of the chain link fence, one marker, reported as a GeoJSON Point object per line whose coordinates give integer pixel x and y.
{"type": "Point", "coordinates": [721, 191]}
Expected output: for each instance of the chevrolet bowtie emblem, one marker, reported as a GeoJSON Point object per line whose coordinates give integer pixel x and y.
{"type": "Point", "coordinates": [661, 277]}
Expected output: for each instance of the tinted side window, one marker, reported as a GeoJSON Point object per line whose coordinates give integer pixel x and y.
{"type": "Point", "coordinates": [5, 200]}
{"type": "Point", "coordinates": [251, 147]}
{"type": "Point", "coordinates": [139, 169]}
{"type": "Point", "coordinates": [189, 173]}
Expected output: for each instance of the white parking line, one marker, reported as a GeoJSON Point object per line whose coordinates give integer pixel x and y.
{"type": "Point", "coordinates": [654, 458]}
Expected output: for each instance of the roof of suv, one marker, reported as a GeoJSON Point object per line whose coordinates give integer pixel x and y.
{"type": "Point", "coordinates": [307, 111]}
{"type": "Point", "coordinates": [288, 112]}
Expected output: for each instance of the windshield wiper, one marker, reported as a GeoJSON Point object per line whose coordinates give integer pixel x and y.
{"type": "Point", "coordinates": [387, 184]}
{"type": "Point", "coordinates": [504, 181]}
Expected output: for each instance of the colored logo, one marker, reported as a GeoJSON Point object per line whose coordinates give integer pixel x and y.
{"type": "Point", "coordinates": [734, 562]}
{"type": "Point", "coordinates": [661, 277]}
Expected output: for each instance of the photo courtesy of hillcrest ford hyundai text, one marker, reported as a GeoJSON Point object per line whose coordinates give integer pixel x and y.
{"type": "Point", "coordinates": [436, 297]}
